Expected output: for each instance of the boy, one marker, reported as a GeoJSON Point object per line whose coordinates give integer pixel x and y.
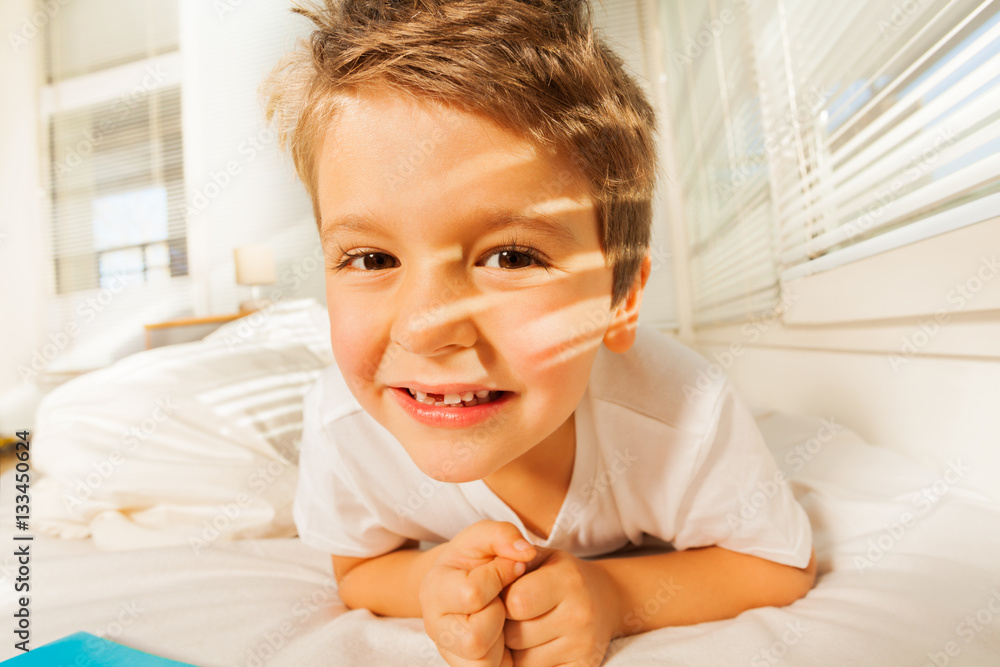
{"type": "Point", "coordinates": [482, 177]}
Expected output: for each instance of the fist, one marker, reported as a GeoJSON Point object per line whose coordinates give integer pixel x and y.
{"type": "Point", "coordinates": [560, 614]}
{"type": "Point", "coordinates": [459, 596]}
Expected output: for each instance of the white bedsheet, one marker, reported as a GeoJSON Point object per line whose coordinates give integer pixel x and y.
{"type": "Point", "coordinates": [890, 592]}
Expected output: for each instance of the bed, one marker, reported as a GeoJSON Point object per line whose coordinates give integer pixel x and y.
{"type": "Point", "coordinates": [164, 555]}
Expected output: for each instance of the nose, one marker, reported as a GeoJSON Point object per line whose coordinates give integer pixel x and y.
{"type": "Point", "coordinates": [435, 315]}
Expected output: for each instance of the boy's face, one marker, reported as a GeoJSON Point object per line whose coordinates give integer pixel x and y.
{"type": "Point", "coordinates": [429, 218]}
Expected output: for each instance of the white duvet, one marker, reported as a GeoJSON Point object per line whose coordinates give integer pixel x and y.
{"type": "Point", "coordinates": [909, 574]}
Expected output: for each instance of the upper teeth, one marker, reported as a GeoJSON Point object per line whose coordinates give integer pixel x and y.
{"type": "Point", "coordinates": [451, 399]}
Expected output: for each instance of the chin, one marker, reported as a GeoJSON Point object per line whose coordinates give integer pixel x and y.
{"type": "Point", "coordinates": [452, 473]}
{"type": "Point", "coordinates": [454, 469]}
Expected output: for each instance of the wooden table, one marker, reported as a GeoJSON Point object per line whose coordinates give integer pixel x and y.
{"type": "Point", "coordinates": [189, 322]}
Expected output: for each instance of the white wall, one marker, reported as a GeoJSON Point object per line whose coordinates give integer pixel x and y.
{"type": "Point", "coordinates": [22, 267]}
{"type": "Point", "coordinates": [239, 187]}
{"type": "Point", "coordinates": [889, 347]}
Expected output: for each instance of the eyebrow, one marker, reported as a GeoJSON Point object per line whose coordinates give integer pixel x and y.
{"type": "Point", "coordinates": [493, 221]}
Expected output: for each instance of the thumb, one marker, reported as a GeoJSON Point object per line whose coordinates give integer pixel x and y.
{"type": "Point", "coordinates": [496, 575]}
{"type": "Point", "coordinates": [486, 539]}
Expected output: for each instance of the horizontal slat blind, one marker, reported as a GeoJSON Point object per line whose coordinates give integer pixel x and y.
{"type": "Point", "coordinates": [910, 129]}
{"type": "Point", "coordinates": [117, 192]}
{"type": "Point", "coordinates": [90, 35]}
{"type": "Point", "coordinates": [812, 134]}
{"type": "Point", "coordinates": [719, 133]}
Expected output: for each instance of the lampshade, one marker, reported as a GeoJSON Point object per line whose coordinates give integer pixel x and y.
{"type": "Point", "coordinates": [255, 265]}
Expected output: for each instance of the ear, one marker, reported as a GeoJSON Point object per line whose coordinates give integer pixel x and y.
{"type": "Point", "coordinates": [621, 332]}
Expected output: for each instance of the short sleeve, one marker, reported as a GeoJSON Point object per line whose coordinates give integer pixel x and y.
{"type": "Point", "coordinates": [737, 497]}
{"type": "Point", "coordinates": [329, 511]}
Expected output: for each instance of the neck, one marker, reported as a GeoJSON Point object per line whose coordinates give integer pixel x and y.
{"type": "Point", "coordinates": [534, 485]}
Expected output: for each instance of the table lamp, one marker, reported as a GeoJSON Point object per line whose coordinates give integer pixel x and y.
{"type": "Point", "coordinates": [254, 267]}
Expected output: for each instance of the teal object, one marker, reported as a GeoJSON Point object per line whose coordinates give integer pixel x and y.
{"type": "Point", "coordinates": [84, 649]}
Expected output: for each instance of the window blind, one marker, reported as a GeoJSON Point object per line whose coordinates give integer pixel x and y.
{"type": "Point", "coordinates": [908, 142]}
{"type": "Point", "coordinates": [713, 85]}
{"type": "Point", "coordinates": [117, 192]}
{"type": "Point", "coordinates": [114, 177]}
{"type": "Point", "coordinates": [86, 36]}
{"type": "Point", "coordinates": [812, 134]}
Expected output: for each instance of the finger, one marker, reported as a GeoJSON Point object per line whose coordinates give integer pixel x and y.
{"type": "Point", "coordinates": [484, 540]}
{"type": "Point", "coordinates": [531, 596]}
{"type": "Point", "coordinates": [460, 592]}
{"type": "Point", "coordinates": [555, 652]}
{"type": "Point", "coordinates": [475, 634]}
{"type": "Point", "coordinates": [542, 554]}
{"type": "Point", "coordinates": [535, 632]}
{"type": "Point", "coordinates": [495, 655]}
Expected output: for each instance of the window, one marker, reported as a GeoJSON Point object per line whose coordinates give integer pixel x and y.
{"type": "Point", "coordinates": [116, 184]}
{"type": "Point", "coordinates": [813, 134]}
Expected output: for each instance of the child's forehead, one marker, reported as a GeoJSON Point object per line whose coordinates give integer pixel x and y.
{"type": "Point", "coordinates": [421, 124]}
{"type": "Point", "coordinates": [385, 145]}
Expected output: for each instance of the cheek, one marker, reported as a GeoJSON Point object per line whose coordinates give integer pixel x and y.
{"type": "Point", "coordinates": [353, 341]}
{"type": "Point", "coordinates": [558, 336]}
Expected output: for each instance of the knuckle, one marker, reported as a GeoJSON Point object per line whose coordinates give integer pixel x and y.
{"type": "Point", "coordinates": [517, 604]}
{"type": "Point", "coordinates": [473, 645]}
{"type": "Point", "coordinates": [470, 598]}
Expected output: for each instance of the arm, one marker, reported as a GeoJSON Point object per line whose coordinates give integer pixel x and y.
{"type": "Point", "coordinates": [568, 610]}
{"type": "Point", "coordinates": [698, 585]}
{"type": "Point", "coordinates": [387, 585]}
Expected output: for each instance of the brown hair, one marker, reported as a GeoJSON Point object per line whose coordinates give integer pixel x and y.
{"type": "Point", "coordinates": [533, 66]}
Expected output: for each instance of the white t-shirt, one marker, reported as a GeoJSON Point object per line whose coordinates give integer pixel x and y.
{"type": "Point", "coordinates": [662, 449]}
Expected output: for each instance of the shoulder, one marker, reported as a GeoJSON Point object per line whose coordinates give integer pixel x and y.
{"type": "Point", "coordinates": [333, 420]}
{"type": "Point", "coordinates": [330, 399]}
{"type": "Point", "coordinates": [659, 378]}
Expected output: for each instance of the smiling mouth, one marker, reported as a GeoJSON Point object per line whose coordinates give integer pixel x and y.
{"type": "Point", "coordinates": [466, 400]}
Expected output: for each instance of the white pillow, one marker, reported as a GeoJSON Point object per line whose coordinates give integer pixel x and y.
{"type": "Point", "coordinates": [291, 321]}
{"type": "Point", "coordinates": [182, 444]}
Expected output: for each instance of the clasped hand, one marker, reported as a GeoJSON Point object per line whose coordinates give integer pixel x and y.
{"type": "Point", "coordinates": [491, 599]}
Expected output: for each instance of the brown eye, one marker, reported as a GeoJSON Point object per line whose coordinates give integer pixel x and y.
{"type": "Point", "coordinates": [511, 259]}
{"type": "Point", "coordinates": [373, 261]}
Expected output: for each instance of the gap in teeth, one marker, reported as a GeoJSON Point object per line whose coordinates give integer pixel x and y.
{"type": "Point", "coordinates": [467, 400]}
